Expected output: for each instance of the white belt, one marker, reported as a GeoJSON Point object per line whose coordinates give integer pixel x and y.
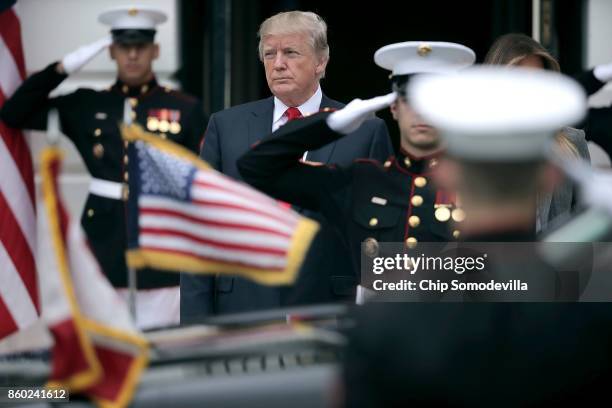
{"type": "Point", "coordinates": [108, 189]}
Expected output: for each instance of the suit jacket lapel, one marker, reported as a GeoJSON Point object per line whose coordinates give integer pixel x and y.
{"type": "Point", "coordinates": [260, 121]}
{"type": "Point", "coordinates": [324, 154]}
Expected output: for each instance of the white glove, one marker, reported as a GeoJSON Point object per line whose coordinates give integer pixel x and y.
{"type": "Point", "coordinates": [597, 191]}
{"type": "Point", "coordinates": [603, 72]}
{"type": "Point", "coordinates": [74, 61]}
{"type": "Point", "coordinates": [349, 118]}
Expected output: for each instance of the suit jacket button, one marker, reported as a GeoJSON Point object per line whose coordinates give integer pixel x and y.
{"type": "Point", "coordinates": [373, 222]}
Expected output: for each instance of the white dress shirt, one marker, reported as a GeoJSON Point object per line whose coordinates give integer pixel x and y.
{"type": "Point", "coordinates": [309, 107]}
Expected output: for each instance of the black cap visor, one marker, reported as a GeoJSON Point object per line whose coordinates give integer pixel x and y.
{"type": "Point", "coordinates": [133, 36]}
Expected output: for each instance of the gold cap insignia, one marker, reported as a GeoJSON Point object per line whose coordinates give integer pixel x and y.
{"type": "Point", "coordinates": [423, 50]}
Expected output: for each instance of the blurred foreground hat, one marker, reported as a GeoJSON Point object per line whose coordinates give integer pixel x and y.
{"type": "Point", "coordinates": [498, 113]}
{"type": "Point", "coordinates": [133, 24]}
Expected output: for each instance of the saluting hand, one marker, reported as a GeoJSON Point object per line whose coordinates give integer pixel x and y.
{"type": "Point", "coordinates": [74, 61]}
{"type": "Point", "coordinates": [349, 118]}
{"type": "Point", "coordinates": [603, 72]}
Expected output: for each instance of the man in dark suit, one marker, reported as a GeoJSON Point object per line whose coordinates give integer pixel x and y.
{"type": "Point", "coordinates": [293, 48]}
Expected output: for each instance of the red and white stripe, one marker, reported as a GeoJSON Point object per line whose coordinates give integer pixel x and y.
{"type": "Point", "coordinates": [18, 291]}
{"type": "Point", "coordinates": [225, 221]}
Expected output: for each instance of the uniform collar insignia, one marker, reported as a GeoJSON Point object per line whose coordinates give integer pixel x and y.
{"type": "Point", "coordinates": [135, 91]}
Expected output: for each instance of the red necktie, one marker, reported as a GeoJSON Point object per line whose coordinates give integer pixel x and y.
{"type": "Point", "coordinates": [290, 113]}
{"type": "Point", "coordinates": [293, 113]}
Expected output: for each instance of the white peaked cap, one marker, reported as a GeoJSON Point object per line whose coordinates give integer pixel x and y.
{"type": "Point", "coordinates": [133, 17]}
{"type": "Point", "coordinates": [424, 57]}
{"type": "Point", "coordinates": [498, 113]}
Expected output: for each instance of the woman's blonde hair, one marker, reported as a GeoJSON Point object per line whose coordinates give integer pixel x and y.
{"type": "Point", "coordinates": [292, 22]}
{"type": "Point", "coordinates": [511, 49]}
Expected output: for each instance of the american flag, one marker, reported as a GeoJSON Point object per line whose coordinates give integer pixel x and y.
{"type": "Point", "coordinates": [18, 289]}
{"type": "Point", "coordinates": [185, 216]}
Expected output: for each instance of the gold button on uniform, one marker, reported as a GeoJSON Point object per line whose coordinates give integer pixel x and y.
{"type": "Point", "coordinates": [125, 144]}
{"type": "Point", "coordinates": [411, 242]}
{"type": "Point", "coordinates": [125, 160]}
{"type": "Point", "coordinates": [90, 213]}
{"type": "Point", "coordinates": [433, 163]}
{"type": "Point", "coordinates": [414, 221]}
{"type": "Point", "coordinates": [125, 89]}
{"type": "Point", "coordinates": [125, 193]}
{"type": "Point", "coordinates": [98, 150]}
{"type": "Point", "coordinates": [407, 162]}
{"type": "Point", "coordinates": [370, 247]}
{"type": "Point", "coordinates": [420, 182]}
{"type": "Point", "coordinates": [458, 215]}
{"type": "Point", "coordinates": [97, 132]}
{"type": "Point", "coordinates": [144, 89]}
{"type": "Point", "coordinates": [456, 233]}
{"type": "Point", "coordinates": [133, 102]}
{"type": "Point", "coordinates": [126, 176]}
{"type": "Point", "coordinates": [387, 164]}
{"type": "Point", "coordinates": [373, 222]}
{"type": "Point", "coordinates": [416, 200]}
{"type": "Point", "coordinates": [442, 214]}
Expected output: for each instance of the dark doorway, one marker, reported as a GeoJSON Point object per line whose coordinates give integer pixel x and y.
{"type": "Point", "coordinates": [355, 35]}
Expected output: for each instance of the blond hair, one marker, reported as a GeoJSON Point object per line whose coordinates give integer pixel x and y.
{"type": "Point", "coordinates": [510, 50]}
{"type": "Point", "coordinates": [293, 22]}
